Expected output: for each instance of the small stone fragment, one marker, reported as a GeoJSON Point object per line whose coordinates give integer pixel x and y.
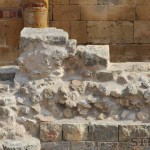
{"type": "Point", "coordinates": [72, 47]}
{"type": "Point", "coordinates": [142, 116]}
{"type": "Point", "coordinates": [104, 76]}
{"type": "Point", "coordinates": [102, 116]}
{"type": "Point", "coordinates": [3, 134]}
{"type": "Point", "coordinates": [116, 93]}
{"type": "Point", "coordinates": [122, 80]}
{"type": "Point", "coordinates": [131, 90]}
{"type": "Point", "coordinates": [84, 103]}
{"type": "Point", "coordinates": [24, 110]}
{"type": "Point", "coordinates": [104, 90]}
{"type": "Point", "coordinates": [7, 100]}
{"type": "Point", "coordinates": [68, 113]}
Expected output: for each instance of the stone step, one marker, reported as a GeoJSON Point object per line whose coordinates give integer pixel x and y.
{"type": "Point", "coordinates": [8, 73]}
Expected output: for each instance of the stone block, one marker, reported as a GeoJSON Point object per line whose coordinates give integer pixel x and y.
{"type": "Point", "coordinates": [13, 29]}
{"type": "Point", "coordinates": [94, 12]}
{"type": "Point", "coordinates": [137, 53]}
{"type": "Point", "coordinates": [56, 2]}
{"type": "Point", "coordinates": [117, 53]}
{"type": "Point", "coordinates": [126, 132]}
{"type": "Point", "coordinates": [109, 32]}
{"type": "Point", "coordinates": [142, 12]}
{"type": "Point", "coordinates": [125, 146]}
{"type": "Point", "coordinates": [2, 33]}
{"type": "Point", "coordinates": [50, 132]}
{"type": "Point", "coordinates": [83, 145]}
{"type": "Point", "coordinates": [78, 31]}
{"type": "Point", "coordinates": [65, 25]}
{"type": "Point", "coordinates": [70, 12]}
{"type": "Point", "coordinates": [121, 12]}
{"type": "Point", "coordinates": [141, 32]}
{"type": "Point", "coordinates": [8, 55]}
{"type": "Point", "coordinates": [103, 133]}
{"type": "Point", "coordinates": [108, 146]}
{"type": "Point", "coordinates": [64, 145]}
{"type": "Point", "coordinates": [75, 132]}
{"type": "Point", "coordinates": [49, 36]}
{"type": "Point", "coordinates": [94, 2]}
{"type": "Point", "coordinates": [106, 2]}
{"type": "Point", "coordinates": [104, 76]}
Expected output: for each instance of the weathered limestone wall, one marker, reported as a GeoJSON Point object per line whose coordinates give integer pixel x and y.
{"type": "Point", "coordinates": [64, 96]}
{"type": "Point", "coordinates": [123, 24]}
{"type": "Point", "coordinates": [11, 24]}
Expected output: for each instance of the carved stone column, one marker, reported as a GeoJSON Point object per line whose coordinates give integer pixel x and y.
{"type": "Point", "coordinates": [35, 13]}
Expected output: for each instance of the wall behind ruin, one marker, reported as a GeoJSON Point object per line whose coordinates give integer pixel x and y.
{"type": "Point", "coordinates": [10, 27]}
{"type": "Point", "coordinates": [123, 24]}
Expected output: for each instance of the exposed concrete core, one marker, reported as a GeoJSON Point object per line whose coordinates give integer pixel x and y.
{"type": "Point", "coordinates": [63, 93]}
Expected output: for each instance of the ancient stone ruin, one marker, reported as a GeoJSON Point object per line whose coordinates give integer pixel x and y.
{"type": "Point", "coordinates": [67, 97]}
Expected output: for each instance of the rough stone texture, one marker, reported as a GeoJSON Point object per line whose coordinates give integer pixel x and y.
{"type": "Point", "coordinates": [96, 55]}
{"type": "Point", "coordinates": [56, 95]}
{"type": "Point", "coordinates": [127, 132]}
{"type": "Point", "coordinates": [75, 132]}
{"type": "Point", "coordinates": [103, 133]}
{"type": "Point", "coordinates": [49, 36]}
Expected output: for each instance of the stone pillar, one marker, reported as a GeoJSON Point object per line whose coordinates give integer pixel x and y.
{"type": "Point", "coordinates": [35, 13]}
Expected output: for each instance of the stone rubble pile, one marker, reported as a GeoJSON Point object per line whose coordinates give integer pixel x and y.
{"type": "Point", "coordinates": [58, 79]}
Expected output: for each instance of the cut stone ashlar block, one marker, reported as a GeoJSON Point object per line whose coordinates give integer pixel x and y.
{"type": "Point", "coordinates": [50, 131]}
{"type": "Point", "coordinates": [62, 145]}
{"type": "Point", "coordinates": [103, 133]}
{"type": "Point", "coordinates": [83, 145]}
{"type": "Point", "coordinates": [75, 132]}
{"type": "Point", "coordinates": [36, 36]}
